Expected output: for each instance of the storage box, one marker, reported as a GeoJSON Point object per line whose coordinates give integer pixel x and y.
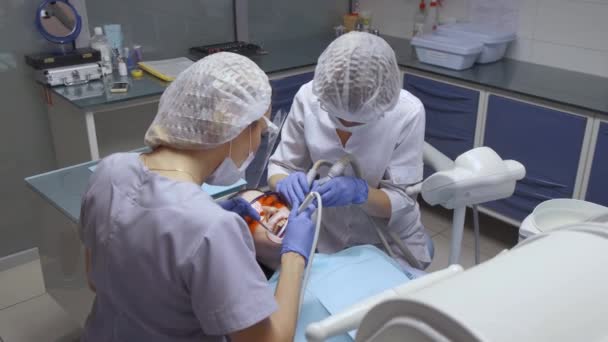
{"type": "Point", "coordinates": [494, 41]}
{"type": "Point", "coordinates": [448, 52]}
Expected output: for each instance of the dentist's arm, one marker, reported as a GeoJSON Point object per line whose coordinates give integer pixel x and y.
{"type": "Point", "coordinates": [292, 157]}
{"type": "Point", "coordinates": [378, 204]}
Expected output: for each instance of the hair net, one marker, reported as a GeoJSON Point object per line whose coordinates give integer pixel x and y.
{"type": "Point", "coordinates": [210, 103]}
{"type": "Point", "coordinates": [357, 77]}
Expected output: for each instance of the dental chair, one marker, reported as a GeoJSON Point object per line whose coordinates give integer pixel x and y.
{"type": "Point", "coordinates": [550, 287]}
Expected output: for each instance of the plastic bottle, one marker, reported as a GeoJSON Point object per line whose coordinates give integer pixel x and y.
{"type": "Point", "coordinates": [122, 67]}
{"type": "Point", "coordinates": [430, 23]}
{"type": "Point", "coordinates": [100, 42]}
{"type": "Point", "coordinates": [419, 19]}
{"type": "Point", "coordinates": [129, 58]}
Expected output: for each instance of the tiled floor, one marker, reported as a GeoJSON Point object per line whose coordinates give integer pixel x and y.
{"type": "Point", "coordinates": [495, 236]}
{"type": "Point", "coordinates": [39, 317]}
{"type": "Point", "coordinates": [27, 312]}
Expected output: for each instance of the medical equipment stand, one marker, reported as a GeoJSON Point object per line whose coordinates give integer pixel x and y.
{"type": "Point", "coordinates": [475, 177]}
{"type": "Point", "coordinates": [457, 232]}
{"type": "Point", "coordinates": [458, 221]}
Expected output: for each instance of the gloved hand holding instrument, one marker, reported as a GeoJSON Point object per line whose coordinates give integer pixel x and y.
{"type": "Point", "coordinates": [299, 235]}
{"type": "Point", "coordinates": [294, 187]}
{"type": "Point", "coordinates": [342, 191]}
{"type": "Point", "coordinates": [240, 207]}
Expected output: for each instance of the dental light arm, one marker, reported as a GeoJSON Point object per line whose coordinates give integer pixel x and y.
{"type": "Point", "coordinates": [476, 176]}
{"type": "Point", "coordinates": [433, 159]}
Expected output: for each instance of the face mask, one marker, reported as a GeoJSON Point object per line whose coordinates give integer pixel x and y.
{"type": "Point", "coordinates": [228, 173]}
{"type": "Point", "coordinates": [339, 125]}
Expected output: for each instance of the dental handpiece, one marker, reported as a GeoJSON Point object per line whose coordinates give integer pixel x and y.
{"type": "Point", "coordinates": [307, 200]}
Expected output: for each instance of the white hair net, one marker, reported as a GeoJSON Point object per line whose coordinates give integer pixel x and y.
{"type": "Point", "coordinates": [357, 77]}
{"type": "Point", "coordinates": [210, 103]}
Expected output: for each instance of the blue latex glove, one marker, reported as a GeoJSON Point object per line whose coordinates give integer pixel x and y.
{"type": "Point", "coordinates": [342, 191]}
{"type": "Point", "coordinates": [294, 188]}
{"type": "Point", "coordinates": [299, 233]}
{"type": "Point", "coordinates": [241, 207]}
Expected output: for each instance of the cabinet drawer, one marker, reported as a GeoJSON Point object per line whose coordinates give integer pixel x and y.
{"type": "Point", "coordinates": [522, 203]}
{"type": "Point", "coordinates": [451, 115]}
{"type": "Point", "coordinates": [546, 141]}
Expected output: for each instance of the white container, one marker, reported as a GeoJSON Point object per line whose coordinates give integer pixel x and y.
{"type": "Point", "coordinates": [495, 41]}
{"type": "Point", "coordinates": [448, 52]}
{"type": "Point", "coordinates": [556, 213]}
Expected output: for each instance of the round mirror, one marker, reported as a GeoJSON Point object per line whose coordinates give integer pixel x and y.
{"type": "Point", "coordinates": [58, 21]}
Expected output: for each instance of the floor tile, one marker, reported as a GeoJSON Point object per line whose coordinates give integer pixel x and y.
{"type": "Point", "coordinates": [495, 235]}
{"type": "Point", "coordinates": [21, 283]}
{"type": "Point", "coordinates": [37, 319]}
{"type": "Point", "coordinates": [442, 254]}
{"type": "Point", "coordinates": [435, 220]}
{"type": "Point", "coordinates": [487, 244]}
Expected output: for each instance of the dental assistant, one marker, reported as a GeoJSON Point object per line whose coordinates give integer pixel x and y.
{"type": "Point", "coordinates": [166, 261]}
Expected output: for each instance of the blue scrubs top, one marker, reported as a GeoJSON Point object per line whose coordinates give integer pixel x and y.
{"type": "Point", "coordinates": [168, 263]}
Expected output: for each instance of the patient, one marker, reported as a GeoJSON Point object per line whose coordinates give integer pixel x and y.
{"type": "Point", "coordinates": [274, 212]}
{"type": "Point", "coordinates": [329, 289]}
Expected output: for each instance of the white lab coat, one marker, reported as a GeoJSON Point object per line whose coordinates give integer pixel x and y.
{"type": "Point", "coordinates": [389, 152]}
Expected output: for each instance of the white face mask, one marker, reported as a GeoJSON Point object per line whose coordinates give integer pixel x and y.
{"type": "Point", "coordinates": [339, 125]}
{"type": "Point", "coordinates": [228, 173]}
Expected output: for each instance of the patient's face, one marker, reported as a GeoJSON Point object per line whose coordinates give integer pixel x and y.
{"type": "Point", "coordinates": [273, 211]}
{"type": "Point", "coordinates": [274, 218]}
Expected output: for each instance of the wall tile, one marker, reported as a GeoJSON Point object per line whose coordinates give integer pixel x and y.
{"type": "Point", "coordinates": [575, 23]}
{"type": "Point", "coordinates": [573, 58]}
{"type": "Point", "coordinates": [568, 34]}
{"type": "Point", "coordinates": [521, 49]}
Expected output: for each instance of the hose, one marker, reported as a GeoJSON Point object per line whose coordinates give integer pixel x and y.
{"type": "Point", "coordinates": [382, 238]}
{"type": "Point", "coordinates": [337, 169]}
{"type": "Point", "coordinates": [315, 240]}
{"type": "Point", "coordinates": [340, 166]}
{"type": "Point", "coordinates": [312, 173]}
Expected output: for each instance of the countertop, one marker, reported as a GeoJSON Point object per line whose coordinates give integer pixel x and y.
{"type": "Point", "coordinates": [566, 87]}
{"type": "Point", "coordinates": [65, 187]}
{"type": "Point", "coordinates": [552, 84]}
